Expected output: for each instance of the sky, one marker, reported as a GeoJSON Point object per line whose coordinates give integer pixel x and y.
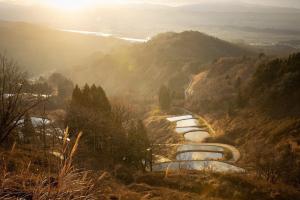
{"type": "Point", "coordinates": [85, 3]}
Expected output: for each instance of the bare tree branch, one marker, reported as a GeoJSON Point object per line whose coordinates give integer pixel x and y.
{"type": "Point", "coordinates": [14, 103]}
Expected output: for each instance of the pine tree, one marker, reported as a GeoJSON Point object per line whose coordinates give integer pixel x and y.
{"type": "Point", "coordinates": [76, 95]}
{"type": "Point", "coordinates": [90, 112]}
{"type": "Point", "coordinates": [104, 104]}
{"type": "Point", "coordinates": [86, 98]}
{"type": "Point", "coordinates": [138, 144]}
{"type": "Point", "coordinates": [73, 114]}
{"type": "Point", "coordinates": [164, 98]}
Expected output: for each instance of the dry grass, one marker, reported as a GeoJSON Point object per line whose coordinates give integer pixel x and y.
{"type": "Point", "coordinates": [67, 183]}
{"type": "Point", "coordinates": [209, 185]}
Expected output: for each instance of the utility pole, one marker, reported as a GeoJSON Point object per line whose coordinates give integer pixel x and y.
{"type": "Point", "coordinates": [151, 158]}
{"type": "Point", "coordinates": [44, 129]}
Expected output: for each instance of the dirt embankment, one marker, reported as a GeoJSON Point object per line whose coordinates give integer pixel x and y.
{"type": "Point", "coordinates": [161, 134]}
{"type": "Point", "coordinates": [250, 130]}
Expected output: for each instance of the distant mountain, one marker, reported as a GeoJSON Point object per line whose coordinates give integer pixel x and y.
{"type": "Point", "coordinates": [285, 3]}
{"type": "Point", "coordinates": [40, 49]}
{"type": "Point", "coordinates": [223, 20]}
{"type": "Point", "coordinates": [237, 7]}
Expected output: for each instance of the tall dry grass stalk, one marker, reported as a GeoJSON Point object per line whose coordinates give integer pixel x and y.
{"type": "Point", "coordinates": [67, 183]}
{"type": "Point", "coordinates": [13, 148]}
{"type": "Point", "coordinates": [67, 164]}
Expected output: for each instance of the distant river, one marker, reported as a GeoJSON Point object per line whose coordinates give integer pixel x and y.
{"type": "Point", "coordinates": [107, 35]}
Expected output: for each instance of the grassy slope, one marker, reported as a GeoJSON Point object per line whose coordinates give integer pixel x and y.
{"type": "Point", "coordinates": [26, 181]}
{"type": "Point", "coordinates": [268, 117]}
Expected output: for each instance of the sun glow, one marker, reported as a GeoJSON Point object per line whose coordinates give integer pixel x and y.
{"type": "Point", "coordinates": [79, 4]}
{"type": "Point", "coordinates": [69, 4]}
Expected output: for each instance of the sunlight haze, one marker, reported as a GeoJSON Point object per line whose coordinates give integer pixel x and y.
{"type": "Point", "coordinates": [150, 99]}
{"type": "Point", "coordinates": [78, 4]}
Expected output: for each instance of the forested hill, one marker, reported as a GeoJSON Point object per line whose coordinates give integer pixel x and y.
{"type": "Point", "coordinates": [190, 46]}
{"type": "Point", "coordinates": [276, 86]}
{"type": "Point", "coordinates": [254, 102]}
{"type": "Point", "coordinates": [267, 83]}
{"type": "Point", "coordinates": [168, 58]}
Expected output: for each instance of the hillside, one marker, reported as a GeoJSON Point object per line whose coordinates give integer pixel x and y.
{"type": "Point", "coordinates": [150, 100]}
{"type": "Point", "coordinates": [275, 86]}
{"type": "Point", "coordinates": [270, 84]}
{"type": "Point", "coordinates": [41, 49]}
{"type": "Point", "coordinates": [216, 87]}
{"type": "Point", "coordinates": [254, 102]}
{"type": "Point", "coordinates": [168, 58]}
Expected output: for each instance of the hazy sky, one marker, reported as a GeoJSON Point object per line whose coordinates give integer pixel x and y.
{"type": "Point", "coordinates": [82, 3]}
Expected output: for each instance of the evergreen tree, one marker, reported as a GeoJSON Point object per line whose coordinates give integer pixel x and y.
{"type": "Point", "coordinates": [103, 100]}
{"type": "Point", "coordinates": [73, 120]}
{"type": "Point", "coordinates": [90, 112]}
{"type": "Point", "coordinates": [104, 138]}
{"type": "Point", "coordinates": [138, 144]}
{"type": "Point", "coordinates": [93, 94]}
{"type": "Point", "coordinates": [86, 96]}
{"type": "Point", "coordinates": [164, 98]}
{"type": "Point", "coordinates": [76, 95]}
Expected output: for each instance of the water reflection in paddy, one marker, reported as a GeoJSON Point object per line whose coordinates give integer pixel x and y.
{"type": "Point", "coordinates": [197, 165]}
{"type": "Point", "coordinates": [178, 118]}
{"type": "Point", "coordinates": [199, 156]}
{"type": "Point", "coordinates": [36, 121]}
{"type": "Point", "coordinates": [199, 147]}
{"type": "Point", "coordinates": [187, 129]}
{"type": "Point", "coordinates": [187, 123]}
{"type": "Point", "coordinates": [198, 136]}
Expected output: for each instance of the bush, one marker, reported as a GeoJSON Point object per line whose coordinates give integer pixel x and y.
{"type": "Point", "coordinates": [124, 174]}
{"type": "Point", "coordinates": [280, 164]}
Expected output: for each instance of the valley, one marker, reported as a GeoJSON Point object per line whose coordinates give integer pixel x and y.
{"type": "Point", "coordinates": [119, 100]}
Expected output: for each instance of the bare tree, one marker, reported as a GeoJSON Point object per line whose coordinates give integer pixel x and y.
{"type": "Point", "coordinates": [14, 104]}
{"type": "Point", "coordinates": [122, 113]}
